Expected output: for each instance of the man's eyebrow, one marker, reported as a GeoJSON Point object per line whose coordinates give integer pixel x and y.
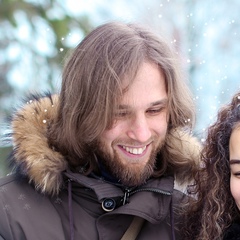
{"type": "Point", "coordinates": [160, 102]}
{"type": "Point", "coordinates": [234, 161]}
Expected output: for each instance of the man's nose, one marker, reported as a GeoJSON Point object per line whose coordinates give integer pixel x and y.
{"type": "Point", "coordinates": [139, 129]}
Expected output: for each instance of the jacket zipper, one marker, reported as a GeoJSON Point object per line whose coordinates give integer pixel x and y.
{"type": "Point", "coordinates": [128, 192]}
{"type": "Point", "coordinates": [155, 190]}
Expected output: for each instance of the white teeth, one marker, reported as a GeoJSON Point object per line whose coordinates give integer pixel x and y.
{"type": "Point", "coordinates": [135, 151]}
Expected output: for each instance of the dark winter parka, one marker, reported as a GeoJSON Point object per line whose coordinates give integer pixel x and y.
{"type": "Point", "coordinates": [233, 232]}
{"type": "Point", "coordinates": [43, 199]}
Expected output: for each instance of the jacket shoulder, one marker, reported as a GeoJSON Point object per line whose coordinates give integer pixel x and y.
{"type": "Point", "coordinates": [12, 185]}
{"type": "Point", "coordinates": [7, 180]}
{"type": "Point", "coordinates": [22, 208]}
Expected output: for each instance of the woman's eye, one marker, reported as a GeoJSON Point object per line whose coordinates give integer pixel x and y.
{"type": "Point", "coordinates": [235, 172]}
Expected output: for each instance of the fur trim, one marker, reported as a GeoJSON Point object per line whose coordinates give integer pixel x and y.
{"type": "Point", "coordinates": [32, 154]}
{"type": "Point", "coordinates": [190, 148]}
{"type": "Point", "coordinates": [187, 150]}
{"type": "Point", "coordinates": [35, 159]}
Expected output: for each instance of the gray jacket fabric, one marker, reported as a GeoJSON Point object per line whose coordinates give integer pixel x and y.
{"type": "Point", "coordinates": [28, 214]}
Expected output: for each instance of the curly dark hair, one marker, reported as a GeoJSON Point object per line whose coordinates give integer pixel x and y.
{"type": "Point", "coordinates": [213, 208]}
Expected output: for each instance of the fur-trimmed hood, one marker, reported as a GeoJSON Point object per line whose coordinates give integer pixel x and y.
{"type": "Point", "coordinates": [33, 157]}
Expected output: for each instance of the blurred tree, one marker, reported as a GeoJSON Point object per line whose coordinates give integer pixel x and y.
{"type": "Point", "coordinates": [34, 39]}
{"type": "Point", "coordinates": [3, 164]}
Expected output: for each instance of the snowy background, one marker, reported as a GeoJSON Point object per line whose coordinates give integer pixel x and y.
{"type": "Point", "coordinates": [205, 33]}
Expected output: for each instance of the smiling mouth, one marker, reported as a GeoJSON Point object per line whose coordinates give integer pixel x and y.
{"type": "Point", "coordinates": [134, 150]}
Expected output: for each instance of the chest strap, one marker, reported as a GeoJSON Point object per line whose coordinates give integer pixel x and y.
{"type": "Point", "coordinates": [134, 228]}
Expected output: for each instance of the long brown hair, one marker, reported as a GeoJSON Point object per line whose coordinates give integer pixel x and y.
{"type": "Point", "coordinates": [214, 208]}
{"type": "Point", "coordinates": [92, 85]}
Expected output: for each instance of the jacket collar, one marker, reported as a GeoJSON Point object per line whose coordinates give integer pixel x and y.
{"type": "Point", "coordinates": [153, 197]}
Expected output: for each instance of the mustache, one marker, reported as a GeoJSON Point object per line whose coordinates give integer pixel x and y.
{"type": "Point", "coordinates": [132, 143]}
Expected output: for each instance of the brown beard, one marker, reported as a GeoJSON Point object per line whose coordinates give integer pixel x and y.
{"type": "Point", "coordinates": [129, 175]}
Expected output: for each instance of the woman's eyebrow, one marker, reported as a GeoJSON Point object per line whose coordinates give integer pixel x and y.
{"type": "Point", "coordinates": [234, 161]}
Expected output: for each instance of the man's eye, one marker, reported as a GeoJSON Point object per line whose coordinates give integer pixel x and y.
{"type": "Point", "coordinates": [155, 110]}
{"type": "Point", "coordinates": [121, 114]}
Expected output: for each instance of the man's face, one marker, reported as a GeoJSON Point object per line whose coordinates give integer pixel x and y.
{"type": "Point", "coordinates": [129, 148]}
